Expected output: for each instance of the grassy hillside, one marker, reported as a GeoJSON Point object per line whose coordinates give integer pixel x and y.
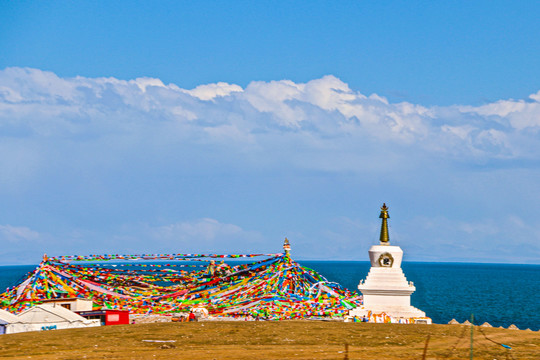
{"type": "Point", "coordinates": [270, 340]}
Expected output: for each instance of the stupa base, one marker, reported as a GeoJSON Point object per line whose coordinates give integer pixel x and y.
{"type": "Point", "coordinates": [397, 312]}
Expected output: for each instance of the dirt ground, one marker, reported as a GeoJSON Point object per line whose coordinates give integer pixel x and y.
{"type": "Point", "coordinates": [271, 340]}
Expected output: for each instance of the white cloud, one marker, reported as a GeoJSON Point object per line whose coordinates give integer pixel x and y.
{"type": "Point", "coordinates": [211, 91]}
{"type": "Point", "coordinates": [460, 131]}
{"type": "Point", "coordinates": [146, 82]}
{"type": "Point", "coordinates": [201, 230]}
{"type": "Point", "coordinates": [200, 235]}
{"type": "Point", "coordinates": [535, 97]}
{"type": "Point", "coordinates": [520, 114]}
{"type": "Point", "coordinates": [505, 238]}
{"type": "Point", "coordinates": [16, 234]}
{"type": "Point", "coordinates": [315, 114]}
{"type": "Point", "coordinates": [275, 98]}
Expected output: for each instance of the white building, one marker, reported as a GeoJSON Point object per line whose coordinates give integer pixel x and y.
{"type": "Point", "coordinates": [6, 319]}
{"type": "Point", "coordinates": [385, 289]}
{"type": "Point", "coordinates": [46, 317]}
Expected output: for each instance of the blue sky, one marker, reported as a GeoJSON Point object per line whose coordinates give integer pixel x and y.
{"type": "Point", "coordinates": [432, 53]}
{"type": "Point", "coordinates": [226, 126]}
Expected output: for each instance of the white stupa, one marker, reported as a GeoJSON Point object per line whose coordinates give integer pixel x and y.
{"type": "Point", "coordinates": [386, 289]}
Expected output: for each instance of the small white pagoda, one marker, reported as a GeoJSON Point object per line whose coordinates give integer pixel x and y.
{"type": "Point", "coordinates": [386, 289]}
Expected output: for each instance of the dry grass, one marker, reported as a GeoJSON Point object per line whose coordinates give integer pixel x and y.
{"type": "Point", "coordinates": [269, 340]}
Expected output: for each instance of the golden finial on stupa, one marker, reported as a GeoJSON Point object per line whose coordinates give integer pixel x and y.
{"type": "Point", "coordinates": [286, 246]}
{"type": "Point", "coordinates": [384, 238]}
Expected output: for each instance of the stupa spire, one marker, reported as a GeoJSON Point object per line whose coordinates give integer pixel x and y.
{"type": "Point", "coordinates": [384, 238]}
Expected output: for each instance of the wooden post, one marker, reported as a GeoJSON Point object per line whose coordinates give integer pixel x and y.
{"type": "Point", "coordinates": [472, 330]}
{"type": "Point", "coordinates": [425, 348]}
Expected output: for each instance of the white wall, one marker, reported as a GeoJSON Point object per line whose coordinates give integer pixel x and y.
{"type": "Point", "coordinates": [24, 327]}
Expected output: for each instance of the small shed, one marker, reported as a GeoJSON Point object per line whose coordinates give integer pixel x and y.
{"type": "Point", "coordinates": [46, 317]}
{"type": "Point", "coordinates": [73, 304]}
{"type": "Point", "coordinates": [108, 316]}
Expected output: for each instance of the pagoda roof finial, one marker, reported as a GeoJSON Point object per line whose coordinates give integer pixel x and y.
{"type": "Point", "coordinates": [384, 237]}
{"type": "Point", "coordinates": [286, 246]}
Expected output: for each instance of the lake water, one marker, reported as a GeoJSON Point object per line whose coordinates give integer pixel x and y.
{"type": "Point", "coordinates": [501, 294]}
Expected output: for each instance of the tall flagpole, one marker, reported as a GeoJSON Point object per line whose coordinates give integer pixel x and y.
{"type": "Point", "coordinates": [472, 330]}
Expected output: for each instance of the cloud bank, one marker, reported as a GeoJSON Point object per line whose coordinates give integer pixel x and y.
{"type": "Point", "coordinates": [76, 152]}
{"type": "Point", "coordinates": [39, 104]}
